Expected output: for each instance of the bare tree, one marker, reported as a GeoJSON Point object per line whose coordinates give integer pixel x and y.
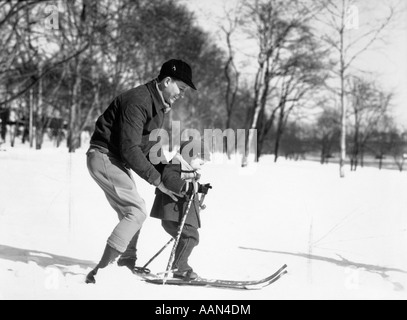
{"type": "Point", "coordinates": [399, 149]}
{"type": "Point", "coordinates": [379, 142]}
{"type": "Point", "coordinates": [99, 49]}
{"type": "Point", "coordinates": [231, 72]}
{"type": "Point", "coordinates": [348, 41]}
{"type": "Point", "coordinates": [369, 105]}
{"type": "Point", "coordinates": [297, 140]}
{"type": "Point", "coordinates": [275, 25]}
{"type": "Point", "coordinates": [327, 132]}
{"type": "Point", "coordinates": [302, 75]}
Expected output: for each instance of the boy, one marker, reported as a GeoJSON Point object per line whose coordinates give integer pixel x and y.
{"type": "Point", "coordinates": [181, 176]}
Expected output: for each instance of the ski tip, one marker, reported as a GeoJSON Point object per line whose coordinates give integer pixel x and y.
{"type": "Point", "coordinates": [284, 266]}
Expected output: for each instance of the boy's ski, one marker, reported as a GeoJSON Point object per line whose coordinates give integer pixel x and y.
{"type": "Point", "coordinates": [231, 284]}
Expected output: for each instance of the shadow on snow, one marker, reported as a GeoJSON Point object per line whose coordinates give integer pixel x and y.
{"type": "Point", "coordinates": [43, 259]}
{"type": "Point", "coordinates": [342, 262]}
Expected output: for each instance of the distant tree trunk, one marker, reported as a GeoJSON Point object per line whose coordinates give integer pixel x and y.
{"type": "Point", "coordinates": [253, 114]}
{"type": "Point", "coordinates": [355, 151]}
{"type": "Point", "coordinates": [342, 156]}
{"type": "Point", "coordinates": [31, 120]}
{"type": "Point", "coordinates": [323, 156]}
{"type": "Point", "coordinates": [60, 132]}
{"type": "Point", "coordinates": [4, 118]}
{"type": "Point", "coordinates": [39, 132]}
{"type": "Point", "coordinates": [261, 134]}
{"type": "Point", "coordinates": [230, 94]}
{"type": "Point", "coordinates": [13, 134]}
{"type": "Point", "coordinates": [13, 125]}
{"type": "Point", "coordinates": [250, 139]}
{"type": "Point", "coordinates": [232, 82]}
{"type": "Point", "coordinates": [279, 133]}
{"type": "Point", "coordinates": [362, 157]}
{"type": "Point", "coordinates": [73, 134]}
{"type": "Point", "coordinates": [399, 161]}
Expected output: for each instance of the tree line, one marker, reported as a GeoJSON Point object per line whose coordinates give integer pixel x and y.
{"type": "Point", "coordinates": [61, 63]}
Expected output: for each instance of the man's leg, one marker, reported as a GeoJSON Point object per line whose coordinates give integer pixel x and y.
{"type": "Point", "coordinates": [129, 257]}
{"type": "Point", "coordinates": [121, 192]}
{"type": "Point", "coordinates": [108, 256]}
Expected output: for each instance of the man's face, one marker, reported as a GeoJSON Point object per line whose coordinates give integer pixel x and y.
{"type": "Point", "coordinates": [173, 90]}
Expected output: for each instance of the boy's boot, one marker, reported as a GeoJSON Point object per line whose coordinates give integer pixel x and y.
{"type": "Point", "coordinates": [184, 250]}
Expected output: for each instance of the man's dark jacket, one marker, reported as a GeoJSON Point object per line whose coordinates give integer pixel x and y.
{"type": "Point", "coordinates": [125, 126]}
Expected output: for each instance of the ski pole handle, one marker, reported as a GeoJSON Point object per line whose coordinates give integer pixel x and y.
{"type": "Point", "coordinates": [201, 205]}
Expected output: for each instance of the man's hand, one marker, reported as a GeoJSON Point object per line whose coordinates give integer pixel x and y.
{"type": "Point", "coordinates": [167, 191]}
{"type": "Point", "coordinates": [197, 175]}
{"type": "Point", "coordinates": [190, 189]}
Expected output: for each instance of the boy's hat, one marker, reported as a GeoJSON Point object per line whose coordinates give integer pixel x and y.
{"type": "Point", "coordinates": [178, 69]}
{"type": "Point", "coordinates": [195, 148]}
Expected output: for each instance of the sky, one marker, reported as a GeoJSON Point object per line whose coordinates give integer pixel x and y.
{"type": "Point", "coordinates": [388, 61]}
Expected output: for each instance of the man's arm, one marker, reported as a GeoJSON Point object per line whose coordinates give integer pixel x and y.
{"type": "Point", "coordinates": [133, 119]}
{"type": "Point", "coordinates": [171, 178]}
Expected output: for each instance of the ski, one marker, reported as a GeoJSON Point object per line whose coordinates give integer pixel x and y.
{"type": "Point", "coordinates": [219, 283]}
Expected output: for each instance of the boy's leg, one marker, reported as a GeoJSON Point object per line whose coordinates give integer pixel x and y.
{"type": "Point", "coordinates": [187, 242]}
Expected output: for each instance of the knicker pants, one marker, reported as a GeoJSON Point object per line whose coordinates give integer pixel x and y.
{"type": "Point", "coordinates": [120, 189]}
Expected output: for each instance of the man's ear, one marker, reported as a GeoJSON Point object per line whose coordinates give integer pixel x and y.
{"type": "Point", "coordinates": [166, 81]}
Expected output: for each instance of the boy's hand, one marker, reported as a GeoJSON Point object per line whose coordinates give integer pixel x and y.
{"type": "Point", "coordinates": [167, 191]}
{"type": "Point", "coordinates": [204, 188]}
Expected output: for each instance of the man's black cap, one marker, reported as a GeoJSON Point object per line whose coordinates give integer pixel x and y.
{"type": "Point", "coordinates": [178, 69]}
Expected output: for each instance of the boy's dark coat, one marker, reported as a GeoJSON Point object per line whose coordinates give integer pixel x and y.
{"type": "Point", "coordinates": [165, 208]}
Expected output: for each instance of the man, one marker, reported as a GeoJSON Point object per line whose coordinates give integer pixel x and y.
{"type": "Point", "coordinates": [121, 142]}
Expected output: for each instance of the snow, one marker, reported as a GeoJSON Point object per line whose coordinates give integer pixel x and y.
{"type": "Point", "coordinates": [342, 238]}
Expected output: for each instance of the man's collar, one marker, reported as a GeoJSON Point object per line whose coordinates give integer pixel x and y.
{"type": "Point", "coordinates": [167, 106]}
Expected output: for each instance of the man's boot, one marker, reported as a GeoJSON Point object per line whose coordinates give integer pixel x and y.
{"type": "Point", "coordinates": [129, 257]}
{"type": "Point", "coordinates": [109, 255]}
{"type": "Point", "coordinates": [129, 262]}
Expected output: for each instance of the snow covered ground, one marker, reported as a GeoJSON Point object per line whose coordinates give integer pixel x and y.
{"type": "Point", "coordinates": [341, 238]}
